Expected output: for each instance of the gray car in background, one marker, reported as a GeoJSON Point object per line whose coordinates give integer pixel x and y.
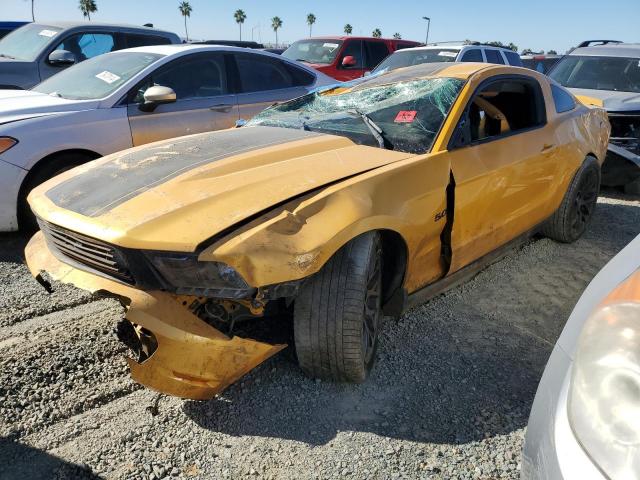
{"type": "Point", "coordinates": [610, 73]}
{"type": "Point", "coordinates": [37, 51]}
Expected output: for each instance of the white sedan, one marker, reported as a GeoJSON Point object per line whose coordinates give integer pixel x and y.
{"type": "Point", "coordinates": [585, 420]}
{"type": "Point", "coordinates": [129, 98]}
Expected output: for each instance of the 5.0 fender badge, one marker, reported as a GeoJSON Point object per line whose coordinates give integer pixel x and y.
{"type": "Point", "coordinates": [440, 215]}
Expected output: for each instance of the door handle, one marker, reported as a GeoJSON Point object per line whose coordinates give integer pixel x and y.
{"type": "Point", "coordinates": [223, 107]}
{"type": "Point", "coordinates": [547, 146]}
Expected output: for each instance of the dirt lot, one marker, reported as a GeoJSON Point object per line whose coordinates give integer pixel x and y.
{"type": "Point", "coordinates": [449, 398]}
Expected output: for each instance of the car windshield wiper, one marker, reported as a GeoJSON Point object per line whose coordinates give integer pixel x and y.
{"type": "Point", "coordinates": [4, 55]}
{"type": "Point", "coordinates": [375, 130]}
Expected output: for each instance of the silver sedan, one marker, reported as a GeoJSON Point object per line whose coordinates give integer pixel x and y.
{"type": "Point", "coordinates": [585, 420]}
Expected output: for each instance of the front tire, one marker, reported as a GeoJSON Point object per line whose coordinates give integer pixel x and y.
{"type": "Point", "coordinates": [570, 221]}
{"type": "Point", "coordinates": [338, 313]}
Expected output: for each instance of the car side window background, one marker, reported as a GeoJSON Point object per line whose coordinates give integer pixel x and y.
{"type": "Point", "coordinates": [505, 107]}
{"type": "Point", "coordinates": [493, 56]}
{"type": "Point", "coordinates": [88, 45]}
{"type": "Point", "coordinates": [199, 77]}
{"type": "Point", "coordinates": [376, 52]}
{"type": "Point", "coordinates": [472, 55]}
{"type": "Point", "coordinates": [562, 99]}
{"type": "Point", "coordinates": [260, 73]}
{"type": "Point", "coordinates": [355, 49]}
{"type": "Point", "coordinates": [138, 40]}
{"type": "Point", "coordinates": [513, 58]}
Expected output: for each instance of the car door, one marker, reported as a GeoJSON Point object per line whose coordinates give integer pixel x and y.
{"type": "Point", "coordinates": [503, 163]}
{"type": "Point", "coordinates": [354, 49]}
{"type": "Point", "coordinates": [262, 80]}
{"type": "Point", "coordinates": [204, 100]}
{"type": "Point", "coordinates": [83, 45]}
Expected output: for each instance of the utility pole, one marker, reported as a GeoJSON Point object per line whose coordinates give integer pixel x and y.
{"type": "Point", "coordinates": [428, 25]}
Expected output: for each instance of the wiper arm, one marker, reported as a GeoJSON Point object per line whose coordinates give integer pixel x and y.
{"type": "Point", "coordinates": [4, 55]}
{"type": "Point", "coordinates": [375, 130]}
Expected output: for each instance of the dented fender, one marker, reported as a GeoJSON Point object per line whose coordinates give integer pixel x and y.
{"type": "Point", "coordinates": [192, 359]}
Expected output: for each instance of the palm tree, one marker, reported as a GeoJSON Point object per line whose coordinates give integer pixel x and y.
{"type": "Point", "coordinates": [87, 7]}
{"type": "Point", "coordinates": [348, 29]}
{"type": "Point", "coordinates": [276, 23]}
{"type": "Point", "coordinates": [185, 10]}
{"type": "Point", "coordinates": [376, 33]}
{"type": "Point", "coordinates": [311, 19]}
{"type": "Point", "coordinates": [397, 36]}
{"type": "Point", "coordinates": [240, 17]}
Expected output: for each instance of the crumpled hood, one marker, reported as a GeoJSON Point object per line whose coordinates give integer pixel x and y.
{"type": "Point", "coordinates": [175, 194]}
{"type": "Point", "coordinates": [612, 101]}
{"type": "Point", "coordinates": [22, 104]}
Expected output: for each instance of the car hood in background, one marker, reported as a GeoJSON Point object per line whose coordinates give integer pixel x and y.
{"type": "Point", "coordinates": [22, 104]}
{"type": "Point", "coordinates": [612, 101]}
{"type": "Point", "coordinates": [175, 194]}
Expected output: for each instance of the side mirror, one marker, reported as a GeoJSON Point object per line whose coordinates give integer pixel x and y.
{"type": "Point", "coordinates": [240, 122]}
{"type": "Point", "coordinates": [349, 61]}
{"type": "Point", "coordinates": [367, 73]}
{"type": "Point", "coordinates": [62, 58]}
{"type": "Point", "coordinates": [157, 95]}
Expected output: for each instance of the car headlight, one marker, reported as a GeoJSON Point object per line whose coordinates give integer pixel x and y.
{"type": "Point", "coordinates": [184, 271]}
{"type": "Point", "coordinates": [6, 143]}
{"type": "Point", "coordinates": [604, 395]}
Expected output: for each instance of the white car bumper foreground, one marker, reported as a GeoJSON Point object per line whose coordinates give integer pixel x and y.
{"type": "Point", "coordinates": [11, 178]}
{"type": "Point", "coordinates": [551, 450]}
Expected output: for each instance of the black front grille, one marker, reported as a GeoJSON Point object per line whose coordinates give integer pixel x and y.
{"type": "Point", "coordinates": [86, 251]}
{"type": "Point", "coordinates": [625, 130]}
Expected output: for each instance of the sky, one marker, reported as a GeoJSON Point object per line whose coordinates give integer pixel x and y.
{"type": "Point", "coordinates": [537, 25]}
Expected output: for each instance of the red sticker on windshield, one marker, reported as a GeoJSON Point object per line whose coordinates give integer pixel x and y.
{"type": "Point", "coordinates": [405, 116]}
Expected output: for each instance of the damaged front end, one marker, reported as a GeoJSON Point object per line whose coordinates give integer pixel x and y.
{"type": "Point", "coordinates": [185, 344]}
{"type": "Point", "coordinates": [622, 165]}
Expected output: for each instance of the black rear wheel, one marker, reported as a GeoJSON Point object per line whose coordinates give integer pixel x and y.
{"type": "Point", "coordinates": [338, 313]}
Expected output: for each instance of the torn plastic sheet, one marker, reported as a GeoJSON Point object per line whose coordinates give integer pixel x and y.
{"type": "Point", "coordinates": [328, 111]}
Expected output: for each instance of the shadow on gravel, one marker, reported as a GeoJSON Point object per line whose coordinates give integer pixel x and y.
{"type": "Point", "coordinates": [12, 247]}
{"type": "Point", "coordinates": [20, 462]}
{"type": "Point", "coordinates": [462, 367]}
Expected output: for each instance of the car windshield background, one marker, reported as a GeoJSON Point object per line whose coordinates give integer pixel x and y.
{"type": "Point", "coordinates": [598, 73]}
{"type": "Point", "coordinates": [27, 42]}
{"type": "Point", "coordinates": [409, 113]}
{"type": "Point", "coordinates": [408, 58]}
{"type": "Point", "coordinates": [321, 51]}
{"type": "Point", "coordinates": [97, 77]}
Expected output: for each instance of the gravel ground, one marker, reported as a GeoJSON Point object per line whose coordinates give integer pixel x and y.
{"type": "Point", "coordinates": [449, 398]}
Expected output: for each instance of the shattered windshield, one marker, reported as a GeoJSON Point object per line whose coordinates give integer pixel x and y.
{"type": "Point", "coordinates": [407, 58]}
{"type": "Point", "coordinates": [598, 73]}
{"type": "Point", "coordinates": [313, 51]}
{"type": "Point", "coordinates": [407, 115]}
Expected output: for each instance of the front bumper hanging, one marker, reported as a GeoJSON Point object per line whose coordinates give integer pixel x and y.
{"type": "Point", "coordinates": [190, 359]}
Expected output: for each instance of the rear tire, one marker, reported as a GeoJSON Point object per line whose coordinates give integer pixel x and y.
{"type": "Point", "coordinates": [48, 168]}
{"type": "Point", "coordinates": [338, 313]}
{"type": "Point", "coordinates": [570, 221]}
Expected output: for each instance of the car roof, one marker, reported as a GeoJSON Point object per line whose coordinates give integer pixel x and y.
{"type": "Point", "coordinates": [186, 47]}
{"type": "Point", "coordinates": [67, 24]}
{"type": "Point", "coordinates": [461, 70]}
{"type": "Point", "coordinates": [610, 50]}
{"type": "Point", "coordinates": [355, 37]}
{"type": "Point", "coordinates": [454, 46]}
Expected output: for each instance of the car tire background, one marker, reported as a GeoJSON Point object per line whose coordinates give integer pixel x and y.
{"type": "Point", "coordinates": [46, 169]}
{"type": "Point", "coordinates": [579, 200]}
{"type": "Point", "coordinates": [329, 313]}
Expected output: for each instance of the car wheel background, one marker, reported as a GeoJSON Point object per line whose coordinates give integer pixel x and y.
{"type": "Point", "coordinates": [46, 169]}
{"type": "Point", "coordinates": [338, 312]}
{"type": "Point", "coordinates": [571, 219]}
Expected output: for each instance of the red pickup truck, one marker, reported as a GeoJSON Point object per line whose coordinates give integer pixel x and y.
{"type": "Point", "coordinates": [344, 58]}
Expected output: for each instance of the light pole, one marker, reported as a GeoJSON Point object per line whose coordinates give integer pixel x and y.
{"type": "Point", "coordinates": [253, 29]}
{"type": "Point", "coordinates": [428, 25]}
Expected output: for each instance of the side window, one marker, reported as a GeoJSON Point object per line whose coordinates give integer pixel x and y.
{"type": "Point", "coordinates": [354, 48]}
{"type": "Point", "coordinates": [401, 45]}
{"type": "Point", "coordinates": [139, 40]}
{"type": "Point", "coordinates": [472, 55]}
{"type": "Point", "coordinates": [562, 99]}
{"type": "Point", "coordinates": [197, 77]}
{"type": "Point", "coordinates": [504, 107]}
{"type": "Point", "coordinates": [513, 58]}
{"type": "Point", "coordinates": [376, 52]}
{"type": "Point", "coordinates": [300, 77]}
{"type": "Point", "coordinates": [88, 45]}
{"type": "Point", "coordinates": [260, 73]}
{"type": "Point", "coordinates": [493, 56]}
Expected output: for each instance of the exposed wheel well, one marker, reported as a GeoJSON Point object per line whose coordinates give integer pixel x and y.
{"type": "Point", "coordinates": [394, 267]}
{"type": "Point", "coordinates": [78, 153]}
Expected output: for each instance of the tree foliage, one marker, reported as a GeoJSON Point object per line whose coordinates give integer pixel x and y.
{"type": "Point", "coordinates": [377, 33]}
{"type": "Point", "coordinates": [240, 17]}
{"type": "Point", "coordinates": [348, 29]}
{"type": "Point", "coordinates": [397, 36]}
{"type": "Point", "coordinates": [311, 19]}
{"type": "Point", "coordinates": [87, 7]}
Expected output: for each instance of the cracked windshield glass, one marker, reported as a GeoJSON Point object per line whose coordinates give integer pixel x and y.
{"type": "Point", "coordinates": [403, 116]}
